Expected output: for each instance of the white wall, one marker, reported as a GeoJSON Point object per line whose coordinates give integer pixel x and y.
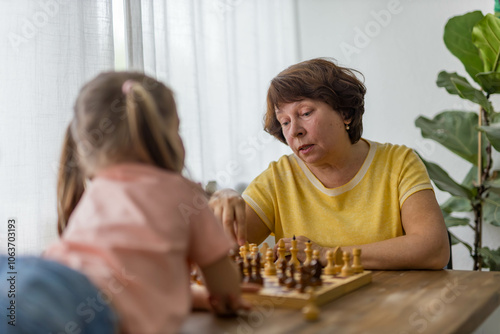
{"type": "Point", "coordinates": [400, 62]}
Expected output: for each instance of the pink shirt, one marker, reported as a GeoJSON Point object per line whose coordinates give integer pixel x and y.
{"type": "Point", "coordinates": [132, 234]}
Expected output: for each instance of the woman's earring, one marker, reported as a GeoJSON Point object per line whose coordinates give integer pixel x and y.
{"type": "Point", "coordinates": [347, 127]}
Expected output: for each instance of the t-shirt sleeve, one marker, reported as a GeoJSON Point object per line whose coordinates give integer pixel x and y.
{"type": "Point", "coordinates": [413, 176]}
{"type": "Point", "coordinates": [208, 241]}
{"type": "Point", "coordinates": [259, 195]}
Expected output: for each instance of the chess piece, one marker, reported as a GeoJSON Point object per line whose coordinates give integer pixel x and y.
{"type": "Point", "coordinates": [264, 248]}
{"type": "Point", "coordinates": [241, 265]}
{"type": "Point", "coordinates": [316, 269]}
{"type": "Point", "coordinates": [232, 254]}
{"type": "Point", "coordinates": [282, 274]}
{"type": "Point", "coordinates": [195, 276]}
{"type": "Point", "coordinates": [330, 268]}
{"type": "Point", "coordinates": [242, 252]}
{"type": "Point", "coordinates": [244, 256]}
{"type": "Point", "coordinates": [255, 251]}
{"type": "Point", "coordinates": [210, 188]}
{"type": "Point", "coordinates": [248, 265]}
{"type": "Point", "coordinates": [256, 276]}
{"type": "Point", "coordinates": [290, 282]}
{"type": "Point", "coordinates": [356, 261]}
{"type": "Point", "coordinates": [337, 256]}
{"type": "Point", "coordinates": [269, 267]}
{"type": "Point", "coordinates": [311, 310]}
{"type": "Point", "coordinates": [247, 272]}
{"type": "Point", "coordinates": [281, 250]}
{"type": "Point", "coordinates": [308, 252]}
{"type": "Point", "coordinates": [305, 278]}
{"type": "Point", "coordinates": [346, 269]}
{"type": "Point", "coordinates": [293, 251]}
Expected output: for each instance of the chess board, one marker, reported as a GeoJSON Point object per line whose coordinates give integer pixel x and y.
{"type": "Point", "coordinates": [332, 288]}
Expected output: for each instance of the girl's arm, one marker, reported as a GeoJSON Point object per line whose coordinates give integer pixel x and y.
{"type": "Point", "coordinates": [222, 280]}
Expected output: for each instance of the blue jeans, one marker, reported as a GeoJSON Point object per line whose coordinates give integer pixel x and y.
{"type": "Point", "coordinates": [47, 297]}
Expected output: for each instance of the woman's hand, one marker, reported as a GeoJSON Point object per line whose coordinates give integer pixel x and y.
{"type": "Point", "coordinates": [301, 245]}
{"type": "Point", "coordinates": [229, 207]}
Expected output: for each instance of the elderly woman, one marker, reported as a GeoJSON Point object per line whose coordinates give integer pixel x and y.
{"type": "Point", "coordinates": [337, 188]}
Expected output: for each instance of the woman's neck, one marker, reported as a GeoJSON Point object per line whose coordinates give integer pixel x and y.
{"type": "Point", "coordinates": [342, 169]}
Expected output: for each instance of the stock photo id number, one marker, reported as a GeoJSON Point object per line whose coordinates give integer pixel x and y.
{"type": "Point", "coordinates": [11, 271]}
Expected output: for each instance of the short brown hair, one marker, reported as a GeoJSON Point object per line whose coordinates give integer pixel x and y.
{"type": "Point", "coordinates": [317, 79]}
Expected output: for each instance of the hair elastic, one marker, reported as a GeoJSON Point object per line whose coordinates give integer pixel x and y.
{"type": "Point", "coordinates": [127, 86]}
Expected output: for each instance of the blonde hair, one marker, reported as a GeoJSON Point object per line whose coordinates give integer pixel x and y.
{"type": "Point", "coordinates": [118, 117]}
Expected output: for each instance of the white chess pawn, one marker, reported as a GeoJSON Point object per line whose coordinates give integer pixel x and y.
{"type": "Point", "coordinates": [330, 267]}
{"type": "Point", "coordinates": [347, 269]}
{"type": "Point", "coordinates": [264, 248]}
{"type": "Point", "coordinates": [356, 261]}
{"type": "Point", "coordinates": [270, 268]}
{"type": "Point", "coordinates": [311, 310]}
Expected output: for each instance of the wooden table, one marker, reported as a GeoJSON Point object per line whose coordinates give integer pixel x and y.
{"type": "Point", "coordinates": [445, 301]}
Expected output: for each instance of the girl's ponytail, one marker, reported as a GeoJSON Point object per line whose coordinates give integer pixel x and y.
{"type": "Point", "coordinates": [151, 141]}
{"type": "Point", "coordinates": [70, 182]}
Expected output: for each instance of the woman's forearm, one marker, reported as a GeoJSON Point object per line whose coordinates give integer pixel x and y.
{"type": "Point", "coordinates": [404, 252]}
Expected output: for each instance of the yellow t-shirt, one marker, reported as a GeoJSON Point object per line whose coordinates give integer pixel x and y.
{"type": "Point", "coordinates": [290, 200]}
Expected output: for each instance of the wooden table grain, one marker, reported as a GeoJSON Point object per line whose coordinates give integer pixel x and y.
{"type": "Point", "coordinates": [445, 301]}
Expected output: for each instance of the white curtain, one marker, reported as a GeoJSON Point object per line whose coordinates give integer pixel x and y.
{"type": "Point", "coordinates": [219, 57]}
{"type": "Point", "coordinates": [48, 49]}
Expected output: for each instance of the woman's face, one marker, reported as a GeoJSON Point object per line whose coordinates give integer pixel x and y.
{"type": "Point", "coordinates": [315, 132]}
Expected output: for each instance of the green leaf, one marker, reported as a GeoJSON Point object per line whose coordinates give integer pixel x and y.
{"type": "Point", "coordinates": [471, 178]}
{"type": "Point", "coordinates": [494, 184]}
{"type": "Point", "coordinates": [451, 221]}
{"type": "Point", "coordinates": [454, 240]}
{"type": "Point", "coordinates": [490, 81]}
{"type": "Point", "coordinates": [486, 37]}
{"type": "Point", "coordinates": [456, 204]}
{"type": "Point", "coordinates": [444, 182]}
{"type": "Point", "coordinates": [454, 221]}
{"type": "Point", "coordinates": [458, 85]}
{"type": "Point", "coordinates": [493, 134]}
{"type": "Point", "coordinates": [455, 130]}
{"type": "Point", "coordinates": [495, 117]}
{"type": "Point", "coordinates": [458, 39]}
{"type": "Point", "coordinates": [491, 258]}
{"type": "Point", "coordinates": [491, 209]}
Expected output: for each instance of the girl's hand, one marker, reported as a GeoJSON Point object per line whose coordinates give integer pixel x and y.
{"type": "Point", "coordinates": [230, 305]}
{"type": "Point", "coordinates": [203, 301]}
{"type": "Point", "coordinates": [200, 296]}
{"type": "Point", "coordinates": [229, 207]}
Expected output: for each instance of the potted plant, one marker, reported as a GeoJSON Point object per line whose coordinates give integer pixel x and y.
{"type": "Point", "coordinates": [474, 39]}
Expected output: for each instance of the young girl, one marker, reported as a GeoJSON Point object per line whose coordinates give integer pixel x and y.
{"type": "Point", "coordinates": [131, 224]}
